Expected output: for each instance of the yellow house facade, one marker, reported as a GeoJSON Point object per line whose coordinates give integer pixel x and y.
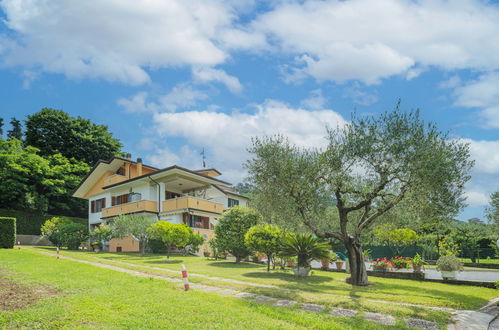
{"type": "Point", "coordinates": [196, 198]}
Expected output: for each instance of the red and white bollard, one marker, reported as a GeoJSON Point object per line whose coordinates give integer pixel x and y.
{"type": "Point", "coordinates": [185, 278]}
{"type": "Point", "coordinates": [58, 252]}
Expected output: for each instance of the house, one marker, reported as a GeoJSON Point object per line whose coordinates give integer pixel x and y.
{"type": "Point", "coordinates": [176, 194]}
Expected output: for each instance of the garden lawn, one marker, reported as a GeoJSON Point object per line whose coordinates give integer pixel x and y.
{"type": "Point", "coordinates": [85, 296]}
{"type": "Point", "coordinates": [401, 291]}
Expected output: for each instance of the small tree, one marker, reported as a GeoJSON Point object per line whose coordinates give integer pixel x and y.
{"type": "Point", "coordinates": [468, 236]}
{"type": "Point", "coordinates": [195, 242]}
{"type": "Point", "coordinates": [133, 225]}
{"type": "Point", "coordinates": [396, 238]}
{"type": "Point", "coordinates": [492, 211]}
{"type": "Point", "coordinates": [102, 233]}
{"type": "Point", "coordinates": [264, 239]}
{"type": "Point", "coordinates": [231, 228]}
{"type": "Point", "coordinates": [50, 229]}
{"type": "Point", "coordinates": [172, 234]}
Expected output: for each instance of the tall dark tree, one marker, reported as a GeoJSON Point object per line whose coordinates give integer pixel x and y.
{"type": "Point", "coordinates": [369, 166]}
{"type": "Point", "coordinates": [54, 131]}
{"type": "Point", "coordinates": [1, 127]}
{"type": "Point", "coordinates": [16, 130]}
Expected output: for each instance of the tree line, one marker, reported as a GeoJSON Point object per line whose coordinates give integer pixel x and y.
{"type": "Point", "coordinates": [45, 157]}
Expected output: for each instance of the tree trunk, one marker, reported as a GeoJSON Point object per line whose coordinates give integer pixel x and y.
{"type": "Point", "coordinates": [238, 259]}
{"type": "Point", "coordinates": [358, 272]}
{"type": "Point", "coordinates": [268, 263]}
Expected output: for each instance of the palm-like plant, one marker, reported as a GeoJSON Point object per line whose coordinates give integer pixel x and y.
{"type": "Point", "coordinates": [306, 248]}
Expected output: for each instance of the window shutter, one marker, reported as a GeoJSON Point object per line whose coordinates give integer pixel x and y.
{"type": "Point", "coordinates": [113, 200]}
{"type": "Point", "coordinates": [92, 206]}
{"type": "Point", "coordinates": [125, 198]}
{"type": "Point", "coordinates": [104, 203]}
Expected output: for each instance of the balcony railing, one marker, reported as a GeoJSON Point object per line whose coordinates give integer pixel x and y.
{"type": "Point", "coordinates": [188, 202]}
{"type": "Point", "coordinates": [133, 207]}
{"type": "Point", "coordinates": [115, 178]}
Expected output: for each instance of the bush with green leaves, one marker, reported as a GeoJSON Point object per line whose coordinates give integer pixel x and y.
{"type": "Point", "coordinates": [195, 242]}
{"type": "Point", "coordinates": [449, 263]}
{"type": "Point", "coordinates": [133, 225]}
{"type": "Point", "coordinates": [50, 229]}
{"type": "Point", "coordinates": [101, 234]}
{"type": "Point", "coordinates": [7, 232]}
{"type": "Point", "coordinates": [306, 248]}
{"type": "Point", "coordinates": [171, 234]}
{"type": "Point", "coordinates": [231, 228]}
{"type": "Point", "coordinates": [265, 239]}
{"type": "Point", "coordinates": [71, 235]}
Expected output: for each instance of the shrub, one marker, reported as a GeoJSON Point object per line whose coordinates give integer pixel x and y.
{"type": "Point", "coordinates": [449, 264]}
{"type": "Point", "coordinates": [265, 239]}
{"type": "Point", "coordinates": [496, 284]}
{"type": "Point", "coordinates": [381, 263]}
{"type": "Point", "coordinates": [156, 246]}
{"type": "Point", "coordinates": [72, 235]}
{"type": "Point", "coordinates": [172, 234]}
{"type": "Point", "coordinates": [306, 248]}
{"type": "Point", "coordinates": [418, 260]}
{"type": "Point", "coordinates": [231, 228]}
{"type": "Point", "coordinates": [7, 232]}
{"type": "Point", "coordinates": [50, 229]}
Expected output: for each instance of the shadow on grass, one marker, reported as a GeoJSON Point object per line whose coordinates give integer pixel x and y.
{"type": "Point", "coordinates": [291, 278]}
{"type": "Point", "coordinates": [164, 261]}
{"type": "Point", "coordinates": [229, 264]}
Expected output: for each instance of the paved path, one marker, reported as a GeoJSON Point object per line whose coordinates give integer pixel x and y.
{"type": "Point", "coordinates": [478, 275]}
{"type": "Point", "coordinates": [382, 319]}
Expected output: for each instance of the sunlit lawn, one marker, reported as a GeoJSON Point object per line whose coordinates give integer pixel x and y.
{"type": "Point", "coordinates": [92, 297]}
{"type": "Point", "coordinates": [320, 283]}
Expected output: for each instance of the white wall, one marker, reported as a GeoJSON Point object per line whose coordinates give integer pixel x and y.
{"type": "Point", "coordinates": [174, 218]}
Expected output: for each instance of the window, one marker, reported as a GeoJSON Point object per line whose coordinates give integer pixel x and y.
{"type": "Point", "coordinates": [233, 202]}
{"type": "Point", "coordinates": [171, 195]}
{"type": "Point", "coordinates": [126, 198]}
{"type": "Point", "coordinates": [121, 171]}
{"type": "Point", "coordinates": [196, 221]}
{"type": "Point", "coordinates": [97, 205]}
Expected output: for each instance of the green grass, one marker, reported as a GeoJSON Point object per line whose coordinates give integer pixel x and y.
{"type": "Point", "coordinates": [92, 297]}
{"type": "Point", "coordinates": [318, 287]}
{"type": "Point", "coordinates": [482, 261]}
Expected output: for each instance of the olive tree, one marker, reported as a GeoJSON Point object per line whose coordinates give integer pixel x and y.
{"type": "Point", "coordinates": [368, 167]}
{"type": "Point", "coordinates": [171, 234]}
{"type": "Point", "coordinates": [132, 225]}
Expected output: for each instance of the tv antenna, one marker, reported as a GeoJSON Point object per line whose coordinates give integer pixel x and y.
{"type": "Point", "coordinates": [204, 158]}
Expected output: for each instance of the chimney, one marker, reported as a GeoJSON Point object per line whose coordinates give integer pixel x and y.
{"type": "Point", "coordinates": [128, 156]}
{"type": "Point", "coordinates": [139, 166]}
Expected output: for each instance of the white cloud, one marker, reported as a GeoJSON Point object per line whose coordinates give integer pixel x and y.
{"type": "Point", "coordinates": [358, 96]}
{"type": "Point", "coordinates": [315, 101]}
{"type": "Point", "coordinates": [483, 94]}
{"type": "Point", "coordinates": [486, 156]}
{"type": "Point", "coordinates": [371, 40]}
{"type": "Point", "coordinates": [209, 74]}
{"type": "Point", "coordinates": [476, 198]}
{"type": "Point", "coordinates": [114, 40]}
{"type": "Point", "coordinates": [180, 96]}
{"type": "Point", "coordinates": [226, 136]}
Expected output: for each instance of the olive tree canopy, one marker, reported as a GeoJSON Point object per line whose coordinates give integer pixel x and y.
{"type": "Point", "coordinates": [368, 167]}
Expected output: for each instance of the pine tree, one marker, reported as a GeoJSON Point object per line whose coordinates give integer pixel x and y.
{"type": "Point", "coordinates": [16, 129]}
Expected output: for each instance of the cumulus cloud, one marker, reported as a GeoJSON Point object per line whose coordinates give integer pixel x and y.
{"type": "Point", "coordinates": [482, 93]}
{"type": "Point", "coordinates": [227, 135]}
{"type": "Point", "coordinates": [371, 40]}
{"type": "Point", "coordinates": [180, 96]}
{"type": "Point", "coordinates": [211, 74]}
{"type": "Point", "coordinates": [315, 101]}
{"type": "Point", "coordinates": [114, 40]}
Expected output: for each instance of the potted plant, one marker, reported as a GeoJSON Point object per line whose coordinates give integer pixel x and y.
{"type": "Point", "coordinates": [400, 262]}
{"type": "Point", "coordinates": [448, 266]}
{"type": "Point", "coordinates": [96, 246]}
{"type": "Point", "coordinates": [418, 262]}
{"type": "Point", "coordinates": [381, 264]}
{"type": "Point", "coordinates": [338, 262]}
{"type": "Point", "coordinates": [366, 254]}
{"type": "Point", "coordinates": [326, 262]}
{"type": "Point", "coordinates": [257, 257]}
{"type": "Point", "coordinates": [305, 248]}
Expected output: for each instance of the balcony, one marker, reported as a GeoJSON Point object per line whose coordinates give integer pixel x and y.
{"type": "Point", "coordinates": [188, 202]}
{"type": "Point", "coordinates": [115, 178]}
{"type": "Point", "coordinates": [133, 207]}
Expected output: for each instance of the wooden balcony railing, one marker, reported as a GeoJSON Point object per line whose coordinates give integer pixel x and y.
{"type": "Point", "coordinates": [188, 202]}
{"type": "Point", "coordinates": [133, 207]}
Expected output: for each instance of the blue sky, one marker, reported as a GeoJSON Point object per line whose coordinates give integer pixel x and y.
{"type": "Point", "coordinates": [170, 78]}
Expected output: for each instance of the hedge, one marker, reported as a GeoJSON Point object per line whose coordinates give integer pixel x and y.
{"type": "Point", "coordinates": [29, 223]}
{"type": "Point", "coordinates": [7, 232]}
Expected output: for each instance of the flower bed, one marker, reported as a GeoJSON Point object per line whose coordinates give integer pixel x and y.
{"type": "Point", "coordinates": [401, 262]}
{"type": "Point", "coordinates": [381, 265]}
